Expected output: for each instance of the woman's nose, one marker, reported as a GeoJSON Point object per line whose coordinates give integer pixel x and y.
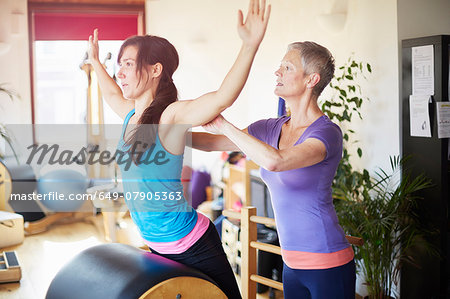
{"type": "Point", "coordinates": [278, 73]}
{"type": "Point", "coordinates": [120, 74]}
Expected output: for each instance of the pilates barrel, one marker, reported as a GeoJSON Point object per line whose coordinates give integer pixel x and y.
{"type": "Point", "coordinates": [121, 271]}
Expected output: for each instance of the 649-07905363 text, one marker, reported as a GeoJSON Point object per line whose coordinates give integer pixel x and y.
{"type": "Point", "coordinates": [98, 195]}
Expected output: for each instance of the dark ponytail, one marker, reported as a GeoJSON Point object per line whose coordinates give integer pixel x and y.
{"type": "Point", "coordinates": [151, 50]}
{"type": "Point", "coordinates": [166, 94]}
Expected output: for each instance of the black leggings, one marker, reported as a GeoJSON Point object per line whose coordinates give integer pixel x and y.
{"type": "Point", "coordinates": [207, 256]}
{"type": "Point", "coordinates": [336, 283]}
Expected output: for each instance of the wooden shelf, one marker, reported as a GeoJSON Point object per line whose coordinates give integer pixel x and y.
{"type": "Point", "coordinates": [238, 184]}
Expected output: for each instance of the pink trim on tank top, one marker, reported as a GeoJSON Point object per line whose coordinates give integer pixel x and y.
{"type": "Point", "coordinates": [313, 260]}
{"type": "Point", "coordinates": [184, 243]}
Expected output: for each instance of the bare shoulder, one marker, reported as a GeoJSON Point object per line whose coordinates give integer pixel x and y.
{"type": "Point", "coordinates": [167, 117]}
{"type": "Point", "coordinates": [173, 113]}
{"type": "Point", "coordinates": [172, 134]}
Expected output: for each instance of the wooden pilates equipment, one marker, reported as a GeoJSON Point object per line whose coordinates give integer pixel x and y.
{"type": "Point", "coordinates": [239, 175]}
{"type": "Point", "coordinates": [117, 271]}
{"type": "Point", "coordinates": [5, 186]}
{"type": "Point", "coordinates": [95, 119]}
{"type": "Point", "coordinates": [10, 270]}
{"type": "Point", "coordinates": [249, 244]}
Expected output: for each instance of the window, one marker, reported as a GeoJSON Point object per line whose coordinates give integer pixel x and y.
{"type": "Point", "coordinates": [58, 36]}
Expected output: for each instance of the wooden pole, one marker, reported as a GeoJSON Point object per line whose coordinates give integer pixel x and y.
{"type": "Point", "coordinates": [248, 234]}
{"type": "Point", "coordinates": [266, 247]}
{"type": "Point", "coordinates": [267, 281]}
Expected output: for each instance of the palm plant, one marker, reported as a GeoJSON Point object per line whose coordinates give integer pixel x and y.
{"type": "Point", "coordinates": [11, 94]}
{"type": "Point", "coordinates": [3, 131]}
{"type": "Point", "coordinates": [383, 214]}
{"type": "Point", "coordinates": [379, 209]}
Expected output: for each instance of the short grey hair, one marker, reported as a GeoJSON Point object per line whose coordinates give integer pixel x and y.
{"type": "Point", "coordinates": [315, 59]}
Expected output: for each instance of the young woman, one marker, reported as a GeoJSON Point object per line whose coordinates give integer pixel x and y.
{"type": "Point", "coordinates": [299, 156]}
{"type": "Point", "coordinates": [168, 225]}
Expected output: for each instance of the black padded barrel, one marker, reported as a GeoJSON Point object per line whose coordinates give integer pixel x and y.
{"type": "Point", "coordinates": [115, 271]}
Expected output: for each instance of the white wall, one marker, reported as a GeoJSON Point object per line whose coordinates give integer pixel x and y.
{"type": "Point", "coordinates": [417, 18]}
{"type": "Point", "coordinates": [204, 32]}
{"type": "Point", "coordinates": [14, 61]}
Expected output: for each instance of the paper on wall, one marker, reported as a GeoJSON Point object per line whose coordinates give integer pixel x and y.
{"type": "Point", "coordinates": [422, 70]}
{"type": "Point", "coordinates": [443, 119]}
{"type": "Point", "coordinates": [418, 115]}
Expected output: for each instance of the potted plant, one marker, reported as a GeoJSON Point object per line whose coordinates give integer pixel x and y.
{"type": "Point", "coordinates": [379, 209]}
{"type": "Point", "coordinates": [383, 214]}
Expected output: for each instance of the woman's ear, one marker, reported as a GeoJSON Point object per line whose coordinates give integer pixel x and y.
{"type": "Point", "coordinates": [314, 78]}
{"type": "Point", "coordinates": [156, 70]}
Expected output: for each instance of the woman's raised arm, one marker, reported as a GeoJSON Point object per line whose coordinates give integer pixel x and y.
{"type": "Point", "coordinates": [111, 92]}
{"type": "Point", "coordinates": [205, 108]}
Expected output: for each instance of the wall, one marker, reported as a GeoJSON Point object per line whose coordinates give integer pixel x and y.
{"type": "Point", "coordinates": [417, 18]}
{"type": "Point", "coordinates": [205, 34]}
{"type": "Point", "coordinates": [14, 61]}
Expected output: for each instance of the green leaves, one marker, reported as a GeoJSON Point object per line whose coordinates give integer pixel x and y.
{"type": "Point", "coordinates": [379, 209]}
{"type": "Point", "coordinates": [347, 98]}
{"type": "Point", "coordinates": [346, 104]}
{"type": "Point", "coordinates": [11, 94]}
{"type": "Point", "coordinates": [3, 133]}
{"type": "Point", "coordinates": [359, 151]}
{"type": "Point", "coordinates": [382, 212]}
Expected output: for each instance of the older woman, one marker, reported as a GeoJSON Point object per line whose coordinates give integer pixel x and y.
{"type": "Point", "coordinates": [299, 156]}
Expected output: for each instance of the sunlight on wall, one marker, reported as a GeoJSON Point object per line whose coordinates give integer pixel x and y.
{"type": "Point", "coordinates": [208, 48]}
{"type": "Point", "coordinates": [61, 85]}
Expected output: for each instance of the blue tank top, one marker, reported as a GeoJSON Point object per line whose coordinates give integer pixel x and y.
{"type": "Point", "coordinates": [153, 192]}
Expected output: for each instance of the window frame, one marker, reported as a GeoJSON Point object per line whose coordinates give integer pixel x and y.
{"type": "Point", "coordinates": [83, 7]}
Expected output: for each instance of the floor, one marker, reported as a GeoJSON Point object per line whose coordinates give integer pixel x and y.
{"type": "Point", "coordinates": [42, 255]}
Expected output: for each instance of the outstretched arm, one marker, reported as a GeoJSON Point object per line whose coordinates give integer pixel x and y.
{"type": "Point", "coordinates": [110, 90]}
{"type": "Point", "coordinates": [307, 153]}
{"type": "Point", "coordinates": [213, 142]}
{"type": "Point", "coordinates": [205, 108]}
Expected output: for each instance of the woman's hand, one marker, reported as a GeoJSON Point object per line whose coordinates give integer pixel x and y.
{"type": "Point", "coordinates": [252, 30]}
{"type": "Point", "coordinates": [217, 125]}
{"type": "Point", "coordinates": [93, 47]}
{"type": "Point", "coordinates": [204, 108]}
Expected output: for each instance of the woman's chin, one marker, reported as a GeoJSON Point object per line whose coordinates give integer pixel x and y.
{"type": "Point", "coordinates": [277, 93]}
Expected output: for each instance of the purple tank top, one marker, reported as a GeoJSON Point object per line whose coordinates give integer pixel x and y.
{"type": "Point", "coordinates": [301, 198]}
